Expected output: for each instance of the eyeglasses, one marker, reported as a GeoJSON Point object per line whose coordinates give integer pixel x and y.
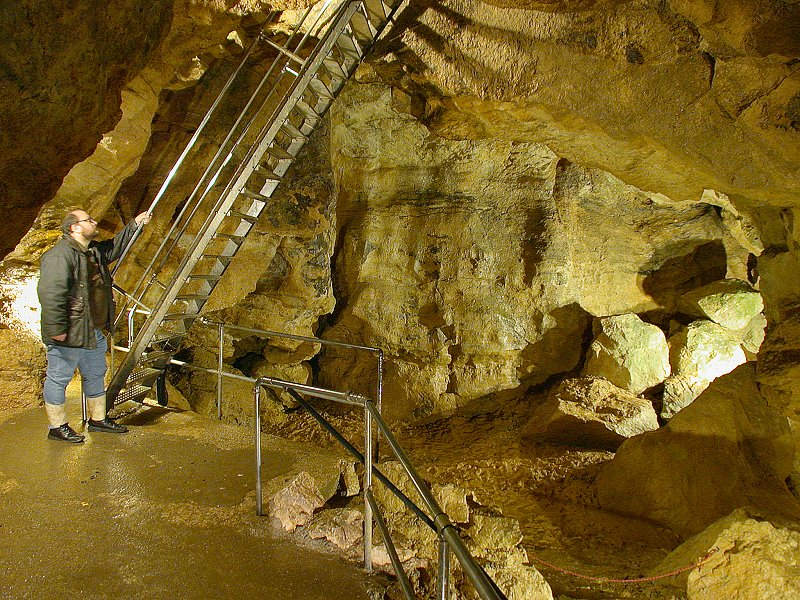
{"type": "Point", "coordinates": [90, 219]}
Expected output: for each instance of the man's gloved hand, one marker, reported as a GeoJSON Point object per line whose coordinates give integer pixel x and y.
{"type": "Point", "coordinates": [142, 219]}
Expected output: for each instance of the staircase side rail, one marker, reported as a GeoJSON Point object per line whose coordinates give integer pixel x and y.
{"type": "Point", "coordinates": [171, 234]}
{"type": "Point", "coordinates": [193, 140]}
{"type": "Point", "coordinates": [279, 61]}
{"type": "Point", "coordinates": [235, 184]}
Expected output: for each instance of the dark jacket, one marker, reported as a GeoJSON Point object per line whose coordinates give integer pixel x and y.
{"type": "Point", "coordinates": [64, 287]}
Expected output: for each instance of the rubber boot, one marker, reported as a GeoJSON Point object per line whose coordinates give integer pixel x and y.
{"type": "Point", "coordinates": [97, 417]}
{"type": "Point", "coordinates": [59, 428]}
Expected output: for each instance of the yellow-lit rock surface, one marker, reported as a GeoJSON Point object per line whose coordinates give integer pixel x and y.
{"type": "Point", "coordinates": [474, 263]}
{"type": "Point", "coordinates": [752, 558]}
{"type": "Point", "coordinates": [726, 450]}
{"type": "Point", "coordinates": [495, 176]}
{"type": "Point", "coordinates": [590, 412]}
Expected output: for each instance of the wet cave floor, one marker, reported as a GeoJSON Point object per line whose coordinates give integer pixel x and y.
{"type": "Point", "coordinates": [547, 488]}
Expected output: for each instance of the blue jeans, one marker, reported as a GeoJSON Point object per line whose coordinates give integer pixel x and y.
{"type": "Point", "coordinates": [61, 364]}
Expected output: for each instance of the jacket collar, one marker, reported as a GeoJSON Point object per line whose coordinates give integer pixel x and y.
{"type": "Point", "coordinates": [75, 244]}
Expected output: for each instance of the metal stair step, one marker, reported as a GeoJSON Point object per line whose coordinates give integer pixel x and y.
{"type": "Point", "coordinates": [133, 393]}
{"type": "Point", "coordinates": [204, 277]}
{"type": "Point", "coordinates": [292, 131]}
{"type": "Point", "coordinates": [348, 47]}
{"type": "Point", "coordinates": [306, 110]}
{"type": "Point", "coordinates": [363, 26]}
{"type": "Point", "coordinates": [334, 68]}
{"type": "Point", "coordinates": [142, 375]}
{"type": "Point", "coordinates": [243, 216]}
{"type": "Point", "coordinates": [192, 297]}
{"type": "Point", "coordinates": [230, 236]}
{"type": "Point", "coordinates": [266, 173]}
{"type": "Point", "coordinates": [254, 195]}
{"type": "Point", "coordinates": [277, 152]}
{"type": "Point", "coordinates": [180, 316]}
{"type": "Point", "coordinates": [320, 89]}
{"type": "Point", "coordinates": [226, 258]}
{"type": "Point", "coordinates": [378, 10]}
{"type": "Point", "coordinates": [155, 356]}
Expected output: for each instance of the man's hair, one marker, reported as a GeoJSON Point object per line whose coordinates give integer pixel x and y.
{"type": "Point", "coordinates": [69, 220]}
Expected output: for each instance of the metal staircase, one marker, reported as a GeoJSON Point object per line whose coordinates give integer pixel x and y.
{"type": "Point", "coordinates": [313, 62]}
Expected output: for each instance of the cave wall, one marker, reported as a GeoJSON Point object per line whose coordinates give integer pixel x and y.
{"type": "Point", "coordinates": [64, 66]}
{"type": "Point", "coordinates": [569, 160]}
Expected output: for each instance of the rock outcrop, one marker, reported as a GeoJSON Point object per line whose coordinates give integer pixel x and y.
{"type": "Point", "coordinates": [751, 558]}
{"type": "Point", "coordinates": [628, 352]}
{"type": "Point", "coordinates": [731, 303]}
{"type": "Point", "coordinates": [699, 353]}
{"type": "Point", "coordinates": [726, 450]}
{"type": "Point", "coordinates": [590, 412]}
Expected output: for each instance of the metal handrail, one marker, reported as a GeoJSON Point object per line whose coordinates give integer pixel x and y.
{"type": "Point", "coordinates": [446, 531]}
{"type": "Point", "coordinates": [449, 539]}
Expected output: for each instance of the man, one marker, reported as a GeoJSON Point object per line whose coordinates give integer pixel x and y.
{"type": "Point", "coordinates": [77, 305]}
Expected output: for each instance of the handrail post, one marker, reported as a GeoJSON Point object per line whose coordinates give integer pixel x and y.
{"type": "Point", "coordinates": [257, 402]}
{"type": "Point", "coordinates": [131, 313]}
{"type": "Point", "coordinates": [379, 401]}
{"type": "Point", "coordinates": [444, 570]}
{"type": "Point", "coordinates": [367, 490]}
{"type": "Point", "coordinates": [220, 348]}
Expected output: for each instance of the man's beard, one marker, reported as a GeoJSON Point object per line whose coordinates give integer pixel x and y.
{"type": "Point", "coordinates": [92, 235]}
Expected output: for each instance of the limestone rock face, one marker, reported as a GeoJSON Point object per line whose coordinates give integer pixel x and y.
{"type": "Point", "coordinates": [295, 504]}
{"type": "Point", "coordinates": [536, 237]}
{"type": "Point", "coordinates": [342, 527]}
{"type": "Point", "coordinates": [779, 366]}
{"type": "Point", "coordinates": [731, 303]}
{"type": "Point", "coordinates": [727, 449]}
{"type": "Point", "coordinates": [678, 99]}
{"type": "Point", "coordinates": [65, 65]}
{"type": "Point", "coordinates": [21, 371]}
{"type": "Point", "coordinates": [752, 335]}
{"type": "Point", "coordinates": [591, 412]}
{"type": "Point", "coordinates": [629, 353]}
{"type": "Point", "coordinates": [699, 354]}
{"type": "Point", "coordinates": [762, 563]}
{"type": "Point", "coordinates": [754, 559]}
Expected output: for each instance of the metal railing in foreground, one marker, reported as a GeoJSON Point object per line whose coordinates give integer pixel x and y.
{"type": "Point", "coordinates": [449, 539]}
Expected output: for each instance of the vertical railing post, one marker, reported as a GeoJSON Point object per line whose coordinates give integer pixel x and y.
{"type": "Point", "coordinates": [131, 314]}
{"type": "Point", "coordinates": [257, 399]}
{"type": "Point", "coordinates": [220, 347]}
{"type": "Point", "coordinates": [367, 490]}
{"type": "Point", "coordinates": [378, 401]}
{"type": "Point", "coordinates": [84, 409]}
{"type": "Point", "coordinates": [444, 570]}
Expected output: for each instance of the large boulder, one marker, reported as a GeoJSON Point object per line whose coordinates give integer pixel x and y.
{"type": "Point", "coordinates": [591, 412]}
{"type": "Point", "coordinates": [731, 302]}
{"type": "Point", "coordinates": [727, 449]}
{"type": "Point", "coordinates": [699, 354]}
{"type": "Point", "coordinates": [750, 558]}
{"type": "Point", "coordinates": [628, 352]}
